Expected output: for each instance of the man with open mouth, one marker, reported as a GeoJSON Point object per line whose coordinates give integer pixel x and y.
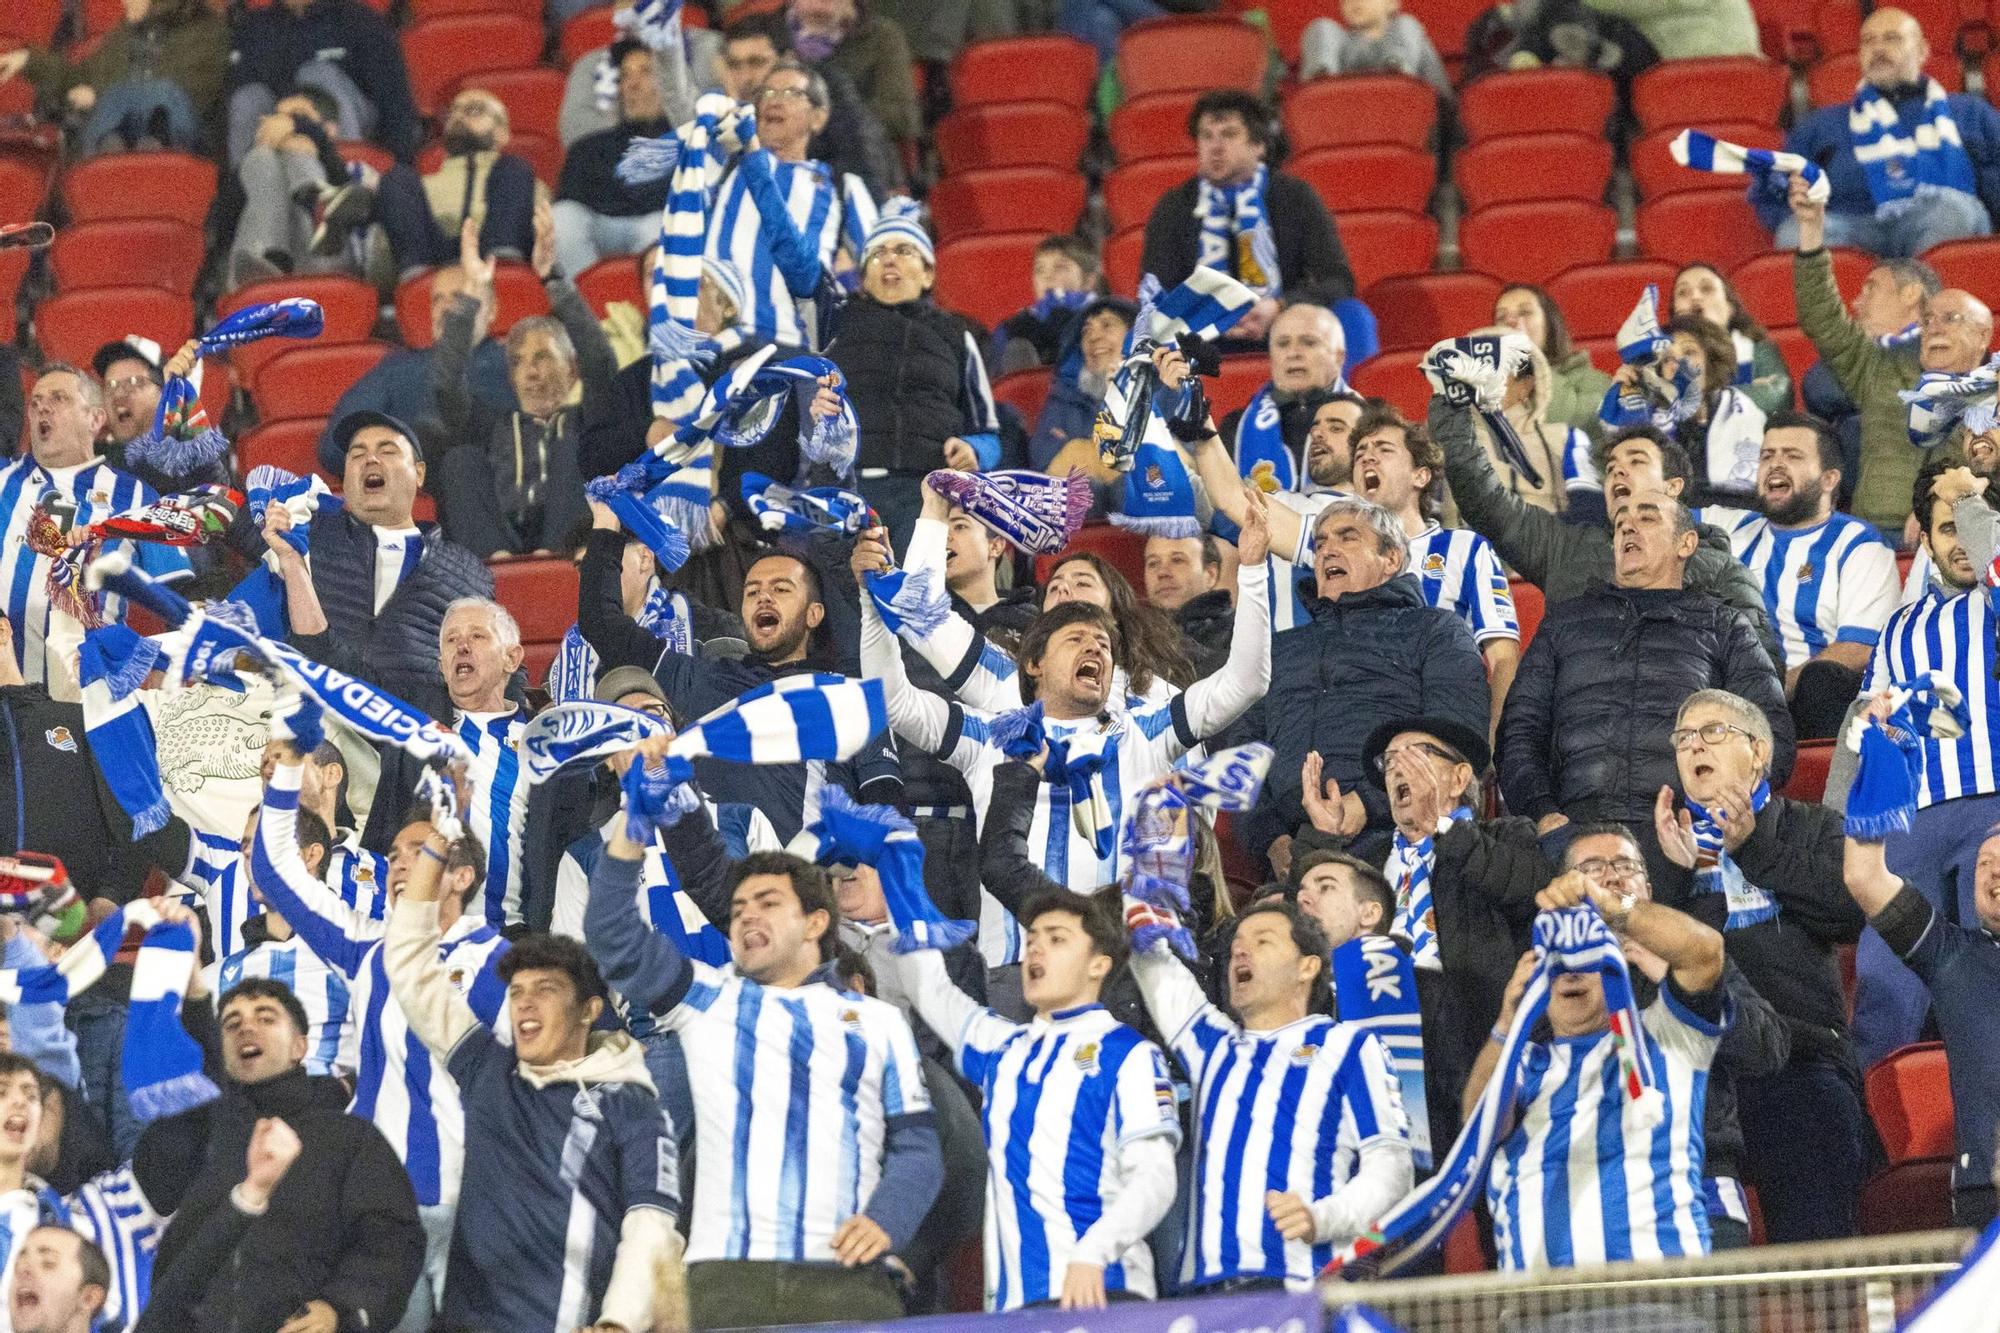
{"type": "Point", "coordinates": [60, 1283]}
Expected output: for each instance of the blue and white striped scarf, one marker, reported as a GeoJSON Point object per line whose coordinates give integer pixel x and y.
{"type": "Point", "coordinates": [181, 438]}
{"type": "Point", "coordinates": [911, 605]}
{"type": "Point", "coordinates": [1640, 339]}
{"type": "Point", "coordinates": [847, 833]}
{"type": "Point", "coordinates": [1883, 796]}
{"type": "Point", "coordinates": [1409, 870]}
{"type": "Point", "coordinates": [1906, 159]}
{"type": "Point", "coordinates": [666, 616]}
{"type": "Point", "coordinates": [654, 24]}
{"type": "Point", "coordinates": [262, 590]}
{"type": "Point", "coordinates": [1375, 987]}
{"type": "Point", "coordinates": [1772, 170]}
{"type": "Point", "coordinates": [1942, 400]}
{"type": "Point", "coordinates": [1236, 232]}
{"type": "Point", "coordinates": [1160, 835]}
{"type": "Point", "coordinates": [781, 509]}
{"type": "Point", "coordinates": [1475, 373]}
{"type": "Point", "coordinates": [583, 729]}
{"type": "Point", "coordinates": [1715, 871]}
{"type": "Point", "coordinates": [1075, 763]}
{"type": "Point", "coordinates": [1204, 307]}
{"type": "Point", "coordinates": [1571, 939]}
{"type": "Point", "coordinates": [112, 664]}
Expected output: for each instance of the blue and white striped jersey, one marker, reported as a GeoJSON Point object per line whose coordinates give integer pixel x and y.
{"type": "Point", "coordinates": [1289, 1110]}
{"type": "Point", "coordinates": [1952, 635]}
{"type": "Point", "coordinates": [215, 875]}
{"type": "Point", "coordinates": [96, 490]}
{"type": "Point", "coordinates": [1288, 609]}
{"type": "Point", "coordinates": [359, 876]}
{"type": "Point", "coordinates": [321, 989]}
{"type": "Point", "coordinates": [1571, 1185]}
{"type": "Point", "coordinates": [794, 1090]}
{"type": "Point", "coordinates": [112, 1210]}
{"type": "Point", "coordinates": [1457, 570]}
{"type": "Point", "coordinates": [827, 215]}
{"type": "Point", "coordinates": [34, 1204]}
{"type": "Point", "coordinates": [499, 802]}
{"type": "Point", "coordinates": [1833, 582]}
{"type": "Point", "coordinates": [399, 1085]}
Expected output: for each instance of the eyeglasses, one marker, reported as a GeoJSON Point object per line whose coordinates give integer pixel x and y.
{"type": "Point", "coordinates": [1598, 867]}
{"type": "Point", "coordinates": [1946, 319]}
{"type": "Point", "coordinates": [899, 250]}
{"type": "Point", "coordinates": [776, 94]}
{"type": "Point", "coordinates": [1715, 733]}
{"type": "Point", "coordinates": [127, 382]}
{"type": "Point", "coordinates": [1387, 757]}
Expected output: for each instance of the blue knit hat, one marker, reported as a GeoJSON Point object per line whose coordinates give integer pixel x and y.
{"type": "Point", "coordinates": [901, 219]}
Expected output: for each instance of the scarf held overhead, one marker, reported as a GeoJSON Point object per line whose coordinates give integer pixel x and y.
{"type": "Point", "coordinates": [1772, 170]}
{"type": "Point", "coordinates": [850, 834]}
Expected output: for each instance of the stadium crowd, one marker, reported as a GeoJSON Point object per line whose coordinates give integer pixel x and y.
{"type": "Point", "coordinates": [1170, 850]}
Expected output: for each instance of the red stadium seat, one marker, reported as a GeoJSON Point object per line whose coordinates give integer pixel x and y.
{"type": "Point", "coordinates": [1797, 349]}
{"type": "Point", "coordinates": [1370, 176]}
{"type": "Point", "coordinates": [1536, 101]}
{"type": "Point", "coordinates": [1909, 1098]}
{"type": "Point", "coordinates": [1123, 549]}
{"type": "Point", "coordinates": [592, 30]}
{"type": "Point", "coordinates": [1808, 780]}
{"type": "Point", "coordinates": [1025, 391]}
{"type": "Point", "coordinates": [1013, 134]}
{"type": "Point", "coordinates": [1006, 199]}
{"type": "Point", "coordinates": [1528, 606]}
{"type": "Point", "coordinates": [1721, 88]}
{"type": "Point", "coordinates": [541, 594]}
{"type": "Point", "coordinates": [349, 305]}
{"type": "Point", "coordinates": [1655, 173]}
{"type": "Point", "coordinates": [1447, 21]}
{"type": "Point", "coordinates": [1045, 68]}
{"type": "Point", "coordinates": [13, 267]}
{"type": "Point", "coordinates": [532, 95]}
{"type": "Point", "coordinates": [140, 185]}
{"type": "Point", "coordinates": [1131, 191]}
{"type": "Point", "coordinates": [1523, 168]}
{"type": "Point", "coordinates": [1360, 109]}
{"type": "Point", "coordinates": [1764, 284]}
{"type": "Point", "coordinates": [1396, 377]}
{"type": "Point", "coordinates": [1714, 226]}
{"type": "Point", "coordinates": [22, 186]}
{"type": "Point", "coordinates": [1388, 244]}
{"type": "Point", "coordinates": [987, 277]}
{"type": "Point", "coordinates": [32, 21]}
{"type": "Point", "coordinates": [1969, 264]}
{"type": "Point", "coordinates": [1191, 55]}
{"type": "Point", "coordinates": [1596, 298]}
{"type": "Point", "coordinates": [1837, 26]}
{"type": "Point", "coordinates": [1832, 81]}
{"type": "Point", "coordinates": [430, 9]}
{"type": "Point", "coordinates": [292, 445]}
{"type": "Point", "coordinates": [1123, 254]}
{"type": "Point", "coordinates": [1287, 20]}
{"type": "Point", "coordinates": [440, 52]}
{"type": "Point", "coordinates": [306, 381]}
{"type": "Point", "coordinates": [1907, 1197]}
{"type": "Point", "coordinates": [1242, 376]}
{"type": "Point", "coordinates": [613, 279]}
{"type": "Point", "coordinates": [517, 293]}
{"type": "Point", "coordinates": [1534, 242]}
{"type": "Point", "coordinates": [1156, 126]}
{"type": "Point", "coordinates": [1941, 20]}
{"type": "Point", "coordinates": [1416, 311]}
{"type": "Point", "coordinates": [150, 252]}
{"type": "Point", "coordinates": [70, 326]}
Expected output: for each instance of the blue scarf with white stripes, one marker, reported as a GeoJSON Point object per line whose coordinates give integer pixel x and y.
{"type": "Point", "coordinates": [847, 833]}
{"type": "Point", "coordinates": [1409, 871]}
{"type": "Point", "coordinates": [112, 664]}
{"type": "Point", "coordinates": [1375, 987]}
{"type": "Point", "coordinates": [1715, 871]}
{"type": "Point", "coordinates": [666, 616]}
{"type": "Point", "coordinates": [1074, 763]}
{"type": "Point", "coordinates": [1907, 155]}
{"type": "Point", "coordinates": [1941, 400]}
{"type": "Point", "coordinates": [1771, 170]}
{"type": "Point", "coordinates": [1236, 234]}
{"type": "Point", "coordinates": [181, 438]}
{"type": "Point", "coordinates": [1160, 835]}
{"type": "Point", "coordinates": [782, 509]}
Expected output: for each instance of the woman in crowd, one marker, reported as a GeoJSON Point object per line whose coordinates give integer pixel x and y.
{"type": "Point", "coordinates": [1700, 289]}
{"type": "Point", "coordinates": [1689, 393]}
{"type": "Point", "coordinates": [1576, 387]}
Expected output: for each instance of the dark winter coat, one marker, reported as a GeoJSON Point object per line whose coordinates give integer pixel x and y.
{"type": "Point", "coordinates": [1311, 262]}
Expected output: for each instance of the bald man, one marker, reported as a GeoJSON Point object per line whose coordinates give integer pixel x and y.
{"type": "Point", "coordinates": [1956, 329]}
{"type": "Point", "coordinates": [1892, 197]}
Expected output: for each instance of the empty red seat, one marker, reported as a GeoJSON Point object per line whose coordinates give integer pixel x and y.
{"type": "Point", "coordinates": [1369, 176]}
{"type": "Point", "coordinates": [1909, 1098]}
{"type": "Point", "coordinates": [1534, 242]}
{"type": "Point", "coordinates": [70, 326]}
{"type": "Point", "coordinates": [1006, 199]}
{"type": "Point", "coordinates": [292, 445]}
{"type": "Point", "coordinates": [1156, 126]}
{"type": "Point", "coordinates": [1536, 101]}
{"type": "Point", "coordinates": [1287, 21]}
{"type": "Point", "coordinates": [583, 33]}
{"type": "Point", "coordinates": [1809, 770]}
{"type": "Point", "coordinates": [1970, 264]}
{"type": "Point", "coordinates": [1832, 81]}
{"type": "Point", "coordinates": [517, 294]}
{"type": "Point", "coordinates": [1521, 168]}
{"type": "Point", "coordinates": [1447, 21]}
{"type": "Point", "coordinates": [1191, 55]}
{"type": "Point", "coordinates": [1242, 376]}
{"type": "Point", "coordinates": [150, 252]}
{"type": "Point", "coordinates": [1122, 256]}
{"type": "Point", "coordinates": [1596, 298]}
{"type": "Point", "coordinates": [1124, 549]}
{"type": "Point", "coordinates": [615, 279]}
{"type": "Point", "coordinates": [1131, 191]}
{"type": "Point", "coordinates": [1416, 311]}
{"type": "Point", "coordinates": [440, 52]}
{"type": "Point", "coordinates": [1681, 92]}
{"type": "Point", "coordinates": [1714, 226]}
{"type": "Point", "coordinates": [1837, 27]}
{"type": "Point", "coordinates": [1025, 391]}
{"type": "Point", "coordinates": [1907, 1197]}
{"type": "Point", "coordinates": [1388, 244]}
{"type": "Point", "coordinates": [1528, 605]}
{"type": "Point", "coordinates": [1797, 350]}
{"type": "Point", "coordinates": [1655, 173]}
{"type": "Point", "coordinates": [1360, 109]}
{"type": "Point", "coordinates": [1013, 134]}
{"type": "Point", "coordinates": [540, 592]}
{"type": "Point", "coordinates": [1941, 20]}
{"type": "Point", "coordinates": [532, 95]}
{"type": "Point", "coordinates": [987, 278]}
{"type": "Point", "coordinates": [349, 305]}
{"type": "Point", "coordinates": [22, 187]}
{"type": "Point", "coordinates": [1396, 377]}
{"type": "Point", "coordinates": [1764, 284]}
{"type": "Point", "coordinates": [307, 380]}
{"type": "Point", "coordinates": [1045, 68]}
{"type": "Point", "coordinates": [33, 22]}
{"type": "Point", "coordinates": [140, 185]}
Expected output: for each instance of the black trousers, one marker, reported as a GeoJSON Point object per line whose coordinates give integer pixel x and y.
{"type": "Point", "coordinates": [1820, 701]}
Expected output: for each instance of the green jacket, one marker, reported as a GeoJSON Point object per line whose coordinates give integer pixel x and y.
{"type": "Point", "coordinates": [1872, 375]}
{"type": "Point", "coordinates": [1771, 384]}
{"type": "Point", "coordinates": [1682, 29]}
{"type": "Point", "coordinates": [876, 57]}
{"type": "Point", "coordinates": [1568, 559]}
{"type": "Point", "coordinates": [193, 53]}
{"type": "Point", "coordinates": [1578, 394]}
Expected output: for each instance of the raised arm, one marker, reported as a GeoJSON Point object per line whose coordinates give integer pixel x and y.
{"type": "Point", "coordinates": [336, 932]}
{"type": "Point", "coordinates": [1691, 950]}
{"type": "Point", "coordinates": [1533, 541]}
{"type": "Point", "coordinates": [918, 716]}
{"type": "Point", "coordinates": [1218, 699]}
{"type": "Point", "coordinates": [1172, 995]}
{"type": "Point", "coordinates": [959, 1022]}
{"type": "Point", "coordinates": [640, 964]}
{"type": "Point", "coordinates": [438, 1014]}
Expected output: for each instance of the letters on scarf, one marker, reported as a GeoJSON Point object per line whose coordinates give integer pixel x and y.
{"type": "Point", "coordinates": [1475, 373]}
{"type": "Point", "coordinates": [1160, 835]}
{"type": "Point", "coordinates": [1906, 156]}
{"type": "Point", "coordinates": [1716, 871]}
{"type": "Point", "coordinates": [1375, 987]}
{"type": "Point", "coordinates": [1236, 234]}
{"type": "Point", "coordinates": [583, 729]}
{"type": "Point", "coordinates": [1038, 513]}
{"type": "Point", "coordinates": [781, 509]}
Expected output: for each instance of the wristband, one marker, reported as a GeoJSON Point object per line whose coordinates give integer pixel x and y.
{"type": "Point", "coordinates": [1498, 1034]}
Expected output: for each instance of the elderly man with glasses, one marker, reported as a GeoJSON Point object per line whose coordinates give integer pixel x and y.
{"type": "Point", "coordinates": [1766, 872]}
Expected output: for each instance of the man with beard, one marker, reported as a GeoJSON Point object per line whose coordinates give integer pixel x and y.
{"type": "Point", "coordinates": [782, 608]}
{"type": "Point", "coordinates": [478, 182]}
{"type": "Point", "coordinates": [1829, 579]}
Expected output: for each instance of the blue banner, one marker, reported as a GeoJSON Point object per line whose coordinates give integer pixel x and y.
{"type": "Point", "coordinates": [1375, 986]}
{"type": "Point", "coordinates": [1274, 1311]}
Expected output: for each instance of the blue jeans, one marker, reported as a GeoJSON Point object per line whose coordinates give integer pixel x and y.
{"type": "Point", "coordinates": [1928, 221]}
{"type": "Point", "coordinates": [126, 110]}
{"type": "Point", "coordinates": [427, 1297]}
{"type": "Point", "coordinates": [1100, 21]}
{"type": "Point", "coordinates": [1941, 848]}
{"type": "Point", "coordinates": [98, 1019]}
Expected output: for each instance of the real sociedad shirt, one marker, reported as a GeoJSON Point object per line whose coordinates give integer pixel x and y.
{"type": "Point", "coordinates": [498, 813]}
{"type": "Point", "coordinates": [1457, 570]}
{"type": "Point", "coordinates": [824, 212]}
{"type": "Point", "coordinates": [1832, 582]}
{"type": "Point", "coordinates": [1952, 635]}
{"type": "Point", "coordinates": [319, 988]}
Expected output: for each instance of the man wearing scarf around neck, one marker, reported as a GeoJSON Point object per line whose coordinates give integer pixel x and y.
{"type": "Point", "coordinates": [1766, 872]}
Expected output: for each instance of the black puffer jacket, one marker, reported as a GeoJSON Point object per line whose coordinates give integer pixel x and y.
{"type": "Point", "coordinates": [1360, 661]}
{"type": "Point", "coordinates": [1585, 728]}
{"type": "Point", "coordinates": [397, 649]}
{"type": "Point", "coordinates": [906, 368]}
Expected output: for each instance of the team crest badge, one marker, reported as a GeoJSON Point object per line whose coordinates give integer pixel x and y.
{"type": "Point", "coordinates": [364, 874]}
{"type": "Point", "coordinates": [60, 738]}
{"type": "Point", "coordinates": [1807, 573]}
{"type": "Point", "coordinates": [1264, 476]}
{"type": "Point", "coordinates": [457, 977]}
{"type": "Point", "coordinates": [1154, 477]}
{"type": "Point", "coordinates": [1304, 1054]}
{"type": "Point", "coordinates": [1086, 1057]}
{"type": "Point", "coordinates": [1433, 566]}
{"type": "Point", "coordinates": [851, 1019]}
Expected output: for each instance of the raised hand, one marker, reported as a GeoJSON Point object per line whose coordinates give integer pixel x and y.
{"type": "Point", "coordinates": [543, 256]}
{"type": "Point", "coordinates": [1676, 834]}
{"type": "Point", "coordinates": [1254, 542]}
{"type": "Point", "coordinates": [477, 267]}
